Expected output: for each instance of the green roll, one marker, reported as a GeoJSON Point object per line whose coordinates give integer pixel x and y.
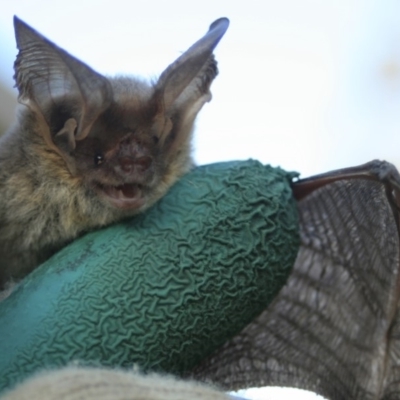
{"type": "Point", "coordinates": [162, 290]}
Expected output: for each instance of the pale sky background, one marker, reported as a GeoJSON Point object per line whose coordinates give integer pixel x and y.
{"type": "Point", "coordinates": [308, 85]}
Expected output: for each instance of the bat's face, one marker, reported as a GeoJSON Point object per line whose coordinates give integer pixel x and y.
{"type": "Point", "coordinates": [124, 159]}
{"type": "Point", "coordinates": [120, 158]}
{"type": "Point", "coordinates": [127, 141]}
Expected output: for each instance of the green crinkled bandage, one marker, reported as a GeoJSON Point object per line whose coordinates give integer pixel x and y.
{"type": "Point", "coordinates": [162, 290]}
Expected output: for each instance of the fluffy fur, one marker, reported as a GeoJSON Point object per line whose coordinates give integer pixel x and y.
{"type": "Point", "coordinates": [73, 383]}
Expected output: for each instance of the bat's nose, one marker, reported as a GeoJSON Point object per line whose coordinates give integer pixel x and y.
{"type": "Point", "coordinates": [134, 158]}
{"type": "Point", "coordinates": [129, 165]}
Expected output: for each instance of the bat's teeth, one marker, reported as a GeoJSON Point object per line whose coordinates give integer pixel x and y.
{"type": "Point", "coordinates": [128, 190]}
{"type": "Point", "coordinates": [127, 196]}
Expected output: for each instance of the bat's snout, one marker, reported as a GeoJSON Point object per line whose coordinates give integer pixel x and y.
{"type": "Point", "coordinates": [129, 165]}
{"type": "Point", "coordinates": [134, 158]}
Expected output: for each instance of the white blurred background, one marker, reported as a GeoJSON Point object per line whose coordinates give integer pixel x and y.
{"type": "Point", "coordinates": [308, 85]}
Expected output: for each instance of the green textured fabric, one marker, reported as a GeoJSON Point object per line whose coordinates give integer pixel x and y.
{"type": "Point", "coordinates": [162, 290]}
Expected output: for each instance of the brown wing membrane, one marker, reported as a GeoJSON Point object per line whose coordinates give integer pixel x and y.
{"type": "Point", "coordinates": [335, 327]}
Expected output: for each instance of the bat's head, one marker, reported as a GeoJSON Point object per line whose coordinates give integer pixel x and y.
{"type": "Point", "coordinates": [126, 140]}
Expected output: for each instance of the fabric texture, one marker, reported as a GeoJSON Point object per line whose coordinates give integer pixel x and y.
{"type": "Point", "coordinates": [163, 290]}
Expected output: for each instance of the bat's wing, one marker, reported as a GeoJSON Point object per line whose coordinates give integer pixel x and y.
{"type": "Point", "coordinates": [335, 327]}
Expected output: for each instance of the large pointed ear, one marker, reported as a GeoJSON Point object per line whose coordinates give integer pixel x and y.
{"type": "Point", "coordinates": [185, 84]}
{"type": "Point", "coordinates": [66, 95]}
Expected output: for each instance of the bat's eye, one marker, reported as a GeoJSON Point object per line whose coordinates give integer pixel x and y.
{"type": "Point", "coordinates": [98, 159]}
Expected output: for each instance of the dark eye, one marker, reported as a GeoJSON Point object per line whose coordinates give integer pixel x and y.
{"type": "Point", "coordinates": [98, 159]}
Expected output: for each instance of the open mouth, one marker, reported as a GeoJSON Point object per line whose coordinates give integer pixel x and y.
{"type": "Point", "coordinates": [127, 196]}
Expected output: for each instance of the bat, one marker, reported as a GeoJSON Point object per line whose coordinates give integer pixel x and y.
{"type": "Point", "coordinates": [88, 150]}
{"type": "Point", "coordinates": [334, 328]}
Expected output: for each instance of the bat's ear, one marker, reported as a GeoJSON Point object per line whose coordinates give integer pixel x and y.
{"type": "Point", "coordinates": [184, 86]}
{"type": "Point", "coordinates": [66, 95]}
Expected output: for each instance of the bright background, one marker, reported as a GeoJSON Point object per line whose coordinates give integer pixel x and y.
{"type": "Point", "coordinates": [308, 85]}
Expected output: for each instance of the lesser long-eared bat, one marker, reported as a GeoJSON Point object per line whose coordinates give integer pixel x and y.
{"type": "Point", "coordinates": [88, 150]}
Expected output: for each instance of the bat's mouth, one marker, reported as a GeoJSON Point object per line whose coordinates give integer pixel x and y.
{"type": "Point", "coordinates": [127, 196]}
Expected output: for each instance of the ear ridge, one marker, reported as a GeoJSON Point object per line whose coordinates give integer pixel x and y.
{"type": "Point", "coordinates": [198, 91]}
{"type": "Point", "coordinates": [48, 76]}
{"type": "Point", "coordinates": [179, 75]}
{"type": "Point", "coordinates": [184, 87]}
